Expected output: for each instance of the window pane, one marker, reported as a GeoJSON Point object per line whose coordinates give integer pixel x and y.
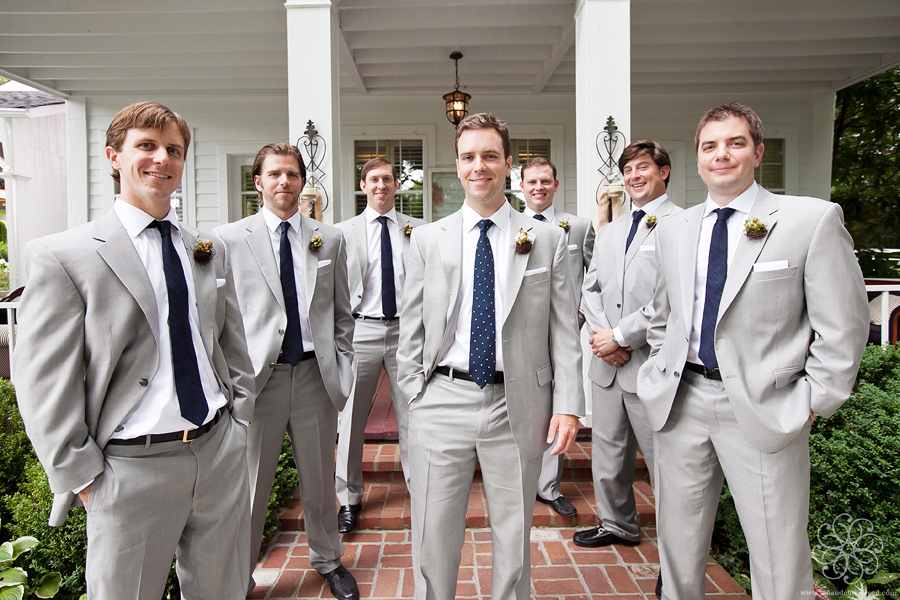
{"type": "Point", "coordinates": [249, 203]}
{"type": "Point", "coordinates": [407, 158]}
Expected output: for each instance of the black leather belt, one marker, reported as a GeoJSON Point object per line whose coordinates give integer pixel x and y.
{"type": "Point", "coordinates": [305, 356]}
{"type": "Point", "coordinates": [457, 374]}
{"type": "Point", "coordinates": [188, 435]}
{"type": "Point", "coordinates": [368, 318]}
{"type": "Point", "coordinates": [702, 370]}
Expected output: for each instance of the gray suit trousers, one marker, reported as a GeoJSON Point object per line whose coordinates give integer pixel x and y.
{"type": "Point", "coordinates": [453, 425]}
{"type": "Point", "coordinates": [374, 345]}
{"type": "Point", "coordinates": [294, 400]}
{"type": "Point", "coordinates": [187, 500]}
{"type": "Point", "coordinates": [620, 427]}
{"type": "Point", "coordinates": [701, 444]}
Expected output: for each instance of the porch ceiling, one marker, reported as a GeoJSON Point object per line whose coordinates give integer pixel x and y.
{"type": "Point", "coordinates": [175, 47]}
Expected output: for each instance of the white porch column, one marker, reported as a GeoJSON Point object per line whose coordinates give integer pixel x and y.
{"type": "Point", "coordinates": [314, 87]}
{"type": "Point", "coordinates": [822, 144]}
{"type": "Point", "coordinates": [602, 86]}
{"type": "Point", "coordinates": [78, 159]}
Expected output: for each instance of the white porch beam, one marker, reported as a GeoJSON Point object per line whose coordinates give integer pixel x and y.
{"type": "Point", "coordinates": [350, 62]}
{"type": "Point", "coordinates": [402, 20]}
{"type": "Point", "coordinates": [602, 86]}
{"type": "Point", "coordinates": [559, 53]}
{"type": "Point", "coordinates": [16, 76]}
{"type": "Point", "coordinates": [314, 87]}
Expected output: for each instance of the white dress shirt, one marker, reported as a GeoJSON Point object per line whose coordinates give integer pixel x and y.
{"type": "Point", "coordinates": [457, 355]}
{"type": "Point", "coordinates": [299, 248]}
{"type": "Point", "coordinates": [741, 205]}
{"type": "Point", "coordinates": [159, 411]}
{"type": "Point", "coordinates": [549, 214]}
{"type": "Point", "coordinates": [370, 306]}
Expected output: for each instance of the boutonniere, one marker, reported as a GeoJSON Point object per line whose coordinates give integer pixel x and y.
{"type": "Point", "coordinates": [651, 221]}
{"type": "Point", "coordinates": [316, 243]}
{"type": "Point", "coordinates": [565, 225]}
{"type": "Point", "coordinates": [407, 231]}
{"type": "Point", "coordinates": [204, 252]}
{"type": "Point", "coordinates": [523, 241]}
{"type": "Point", "coordinates": [755, 229]}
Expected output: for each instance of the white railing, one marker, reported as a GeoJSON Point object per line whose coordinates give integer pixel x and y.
{"type": "Point", "coordinates": [10, 308]}
{"type": "Point", "coordinates": [887, 304]}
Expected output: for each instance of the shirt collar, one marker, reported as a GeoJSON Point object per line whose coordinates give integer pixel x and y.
{"type": "Point", "coordinates": [134, 220]}
{"type": "Point", "coordinates": [651, 207]}
{"type": "Point", "coordinates": [500, 218]}
{"type": "Point", "coordinates": [549, 214]}
{"type": "Point", "coordinates": [371, 214]}
{"type": "Point", "coordinates": [273, 221]}
{"type": "Point", "coordinates": [743, 203]}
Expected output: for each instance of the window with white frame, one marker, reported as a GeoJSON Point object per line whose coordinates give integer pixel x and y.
{"type": "Point", "coordinates": [249, 195]}
{"type": "Point", "coordinates": [407, 158]}
{"type": "Point", "coordinates": [770, 172]}
{"type": "Point", "coordinates": [521, 150]}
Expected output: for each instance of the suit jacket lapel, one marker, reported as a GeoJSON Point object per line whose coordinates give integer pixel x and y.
{"type": "Point", "coordinates": [360, 243]}
{"type": "Point", "coordinates": [260, 242]}
{"type": "Point", "coordinates": [687, 261]}
{"type": "Point", "coordinates": [403, 221]}
{"type": "Point", "coordinates": [620, 233]}
{"type": "Point", "coordinates": [449, 245]}
{"type": "Point", "coordinates": [309, 229]}
{"type": "Point", "coordinates": [517, 262]}
{"type": "Point", "coordinates": [765, 208]}
{"type": "Point", "coordinates": [205, 291]}
{"type": "Point", "coordinates": [118, 252]}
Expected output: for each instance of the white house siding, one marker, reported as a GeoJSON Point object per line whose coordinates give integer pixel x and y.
{"type": "Point", "coordinates": [37, 199]}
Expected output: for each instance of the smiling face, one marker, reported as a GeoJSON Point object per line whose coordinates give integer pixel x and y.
{"type": "Point", "coordinates": [726, 158]}
{"type": "Point", "coordinates": [280, 183]}
{"type": "Point", "coordinates": [482, 169]}
{"type": "Point", "coordinates": [150, 164]}
{"type": "Point", "coordinates": [380, 187]}
{"type": "Point", "coordinates": [539, 186]}
{"type": "Point", "coordinates": [644, 180]}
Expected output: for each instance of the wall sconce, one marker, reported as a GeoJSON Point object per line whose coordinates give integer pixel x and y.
{"type": "Point", "coordinates": [313, 145]}
{"type": "Point", "coordinates": [457, 101]}
{"type": "Point", "coordinates": [611, 189]}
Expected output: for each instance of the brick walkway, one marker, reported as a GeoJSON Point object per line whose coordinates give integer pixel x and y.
{"type": "Point", "coordinates": [378, 554]}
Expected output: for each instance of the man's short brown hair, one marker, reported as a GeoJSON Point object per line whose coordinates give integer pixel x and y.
{"type": "Point", "coordinates": [654, 150]}
{"type": "Point", "coordinates": [143, 115]}
{"type": "Point", "coordinates": [484, 121]}
{"type": "Point", "coordinates": [726, 111]}
{"type": "Point", "coordinates": [279, 149]}
{"type": "Point", "coordinates": [537, 161]}
{"type": "Point", "coordinates": [376, 163]}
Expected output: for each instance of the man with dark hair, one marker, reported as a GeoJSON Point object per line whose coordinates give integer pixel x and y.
{"type": "Point", "coordinates": [490, 363]}
{"type": "Point", "coordinates": [759, 320]}
{"type": "Point", "coordinates": [618, 287]}
{"type": "Point", "coordinates": [539, 186]}
{"type": "Point", "coordinates": [378, 241]}
{"type": "Point", "coordinates": [291, 275]}
{"type": "Point", "coordinates": [132, 376]}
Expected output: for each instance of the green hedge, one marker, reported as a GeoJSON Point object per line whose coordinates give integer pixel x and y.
{"type": "Point", "coordinates": [855, 467]}
{"type": "Point", "coordinates": [25, 501]}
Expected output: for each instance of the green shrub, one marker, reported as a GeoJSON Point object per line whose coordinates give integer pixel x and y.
{"type": "Point", "coordinates": [15, 448]}
{"type": "Point", "coordinates": [855, 467]}
{"type": "Point", "coordinates": [282, 488]}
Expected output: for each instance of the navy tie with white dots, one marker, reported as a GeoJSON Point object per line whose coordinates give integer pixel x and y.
{"type": "Point", "coordinates": [482, 339]}
{"type": "Point", "coordinates": [716, 272]}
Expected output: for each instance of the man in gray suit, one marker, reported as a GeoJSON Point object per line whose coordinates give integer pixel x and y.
{"type": "Point", "coordinates": [759, 322]}
{"type": "Point", "coordinates": [291, 277]}
{"type": "Point", "coordinates": [618, 287]}
{"type": "Point", "coordinates": [490, 363]}
{"type": "Point", "coordinates": [132, 377]}
{"type": "Point", "coordinates": [378, 241]}
{"type": "Point", "coordinates": [539, 186]}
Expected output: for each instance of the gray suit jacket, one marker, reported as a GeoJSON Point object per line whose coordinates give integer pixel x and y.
{"type": "Point", "coordinates": [354, 230]}
{"type": "Point", "coordinates": [88, 331]}
{"type": "Point", "coordinates": [541, 354]}
{"type": "Point", "coordinates": [617, 292]}
{"type": "Point", "coordinates": [261, 300]}
{"type": "Point", "coordinates": [580, 240]}
{"type": "Point", "coordinates": [788, 339]}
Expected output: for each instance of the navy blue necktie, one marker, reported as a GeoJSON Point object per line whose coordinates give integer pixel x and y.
{"type": "Point", "coordinates": [482, 338]}
{"type": "Point", "coordinates": [191, 399]}
{"type": "Point", "coordinates": [716, 272]}
{"type": "Point", "coordinates": [540, 217]}
{"type": "Point", "coordinates": [388, 293]}
{"type": "Point", "coordinates": [636, 217]}
{"type": "Point", "coordinates": [292, 346]}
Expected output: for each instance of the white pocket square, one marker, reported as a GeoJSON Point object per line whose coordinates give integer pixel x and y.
{"type": "Point", "coordinates": [535, 271]}
{"type": "Point", "coordinates": [573, 247]}
{"type": "Point", "coordinates": [646, 248]}
{"type": "Point", "coordinates": [324, 263]}
{"type": "Point", "coordinates": [771, 265]}
{"type": "Point", "coordinates": [220, 283]}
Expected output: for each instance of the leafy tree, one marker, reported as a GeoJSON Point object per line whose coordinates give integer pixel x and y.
{"type": "Point", "coordinates": [866, 168]}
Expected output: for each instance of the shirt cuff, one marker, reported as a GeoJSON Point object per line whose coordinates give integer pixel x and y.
{"type": "Point", "coordinates": [78, 490]}
{"type": "Point", "coordinates": [619, 338]}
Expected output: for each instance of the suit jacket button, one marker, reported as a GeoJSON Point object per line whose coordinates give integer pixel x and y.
{"type": "Point", "coordinates": [143, 381]}
{"type": "Point", "coordinates": [618, 306]}
{"type": "Point", "coordinates": [677, 374]}
{"type": "Point", "coordinates": [281, 331]}
{"type": "Point", "coordinates": [119, 429]}
{"type": "Point", "coordinates": [272, 364]}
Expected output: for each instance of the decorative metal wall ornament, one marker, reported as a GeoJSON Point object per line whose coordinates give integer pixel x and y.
{"type": "Point", "coordinates": [611, 185]}
{"type": "Point", "coordinates": [315, 148]}
{"type": "Point", "coordinates": [457, 101]}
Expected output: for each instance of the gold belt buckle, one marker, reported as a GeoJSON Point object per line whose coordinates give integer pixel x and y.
{"type": "Point", "coordinates": [184, 438]}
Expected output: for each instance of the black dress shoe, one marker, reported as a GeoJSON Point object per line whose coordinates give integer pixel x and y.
{"type": "Point", "coordinates": [347, 517]}
{"type": "Point", "coordinates": [658, 591]}
{"type": "Point", "coordinates": [560, 506]}
{"type": "Point", "coordinates": [597, 537]}
{"type": "Point", "coordinates": [342, 584]}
